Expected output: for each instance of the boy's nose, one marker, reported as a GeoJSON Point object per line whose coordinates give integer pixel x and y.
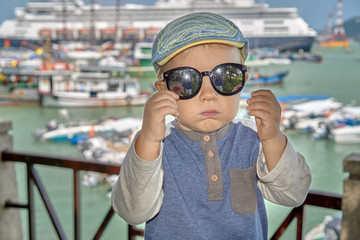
{"type": "Point", "coordinates": [207, 92]}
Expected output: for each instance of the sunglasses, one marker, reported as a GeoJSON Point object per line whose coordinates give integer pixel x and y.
{"type": "Point", "coordinates": [227, 79]}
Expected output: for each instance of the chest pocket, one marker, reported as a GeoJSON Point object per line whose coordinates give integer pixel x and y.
{"type": "Point", "coordinates": [242, 187]}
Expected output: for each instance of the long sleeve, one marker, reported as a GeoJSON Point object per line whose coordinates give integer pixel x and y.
{"type": "Point", "coordinates": [137, 194]}
{"type": "Point", "coordinates": [288, 183]}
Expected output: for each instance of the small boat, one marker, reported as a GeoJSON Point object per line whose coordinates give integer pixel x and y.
{"type": "Point", "coordinates": [18, 84]}
{"type": "Point", "coordinates": [306, 57]}
{"type": "Point", "coordinates": [109, 148]}
{"type": "Point", "coordinates": [142, 65]}
{"type": "Point", "coordinates": [309, 115]}
{"type": "Point", "coordinates": [76, 130]}
{"type": "Point", "coordinates": [91, 89]}
{"type": "Point", "coordinates": [346, 134]}
{"type": "Point", "coordinates": [104, 150]}
{"type": "Point", "coordinates": [265, 80]}
{"type": "Point", "coordinates": [324, 118]}
{"type": "Point", "coordinates": [266, 56]}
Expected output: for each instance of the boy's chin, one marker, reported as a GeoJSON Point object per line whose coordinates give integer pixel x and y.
{"type": "Point", "coordinates": [206, 126]}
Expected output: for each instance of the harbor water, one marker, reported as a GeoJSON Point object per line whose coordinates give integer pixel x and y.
{"type": "Point", "coordinates": [337, 76]}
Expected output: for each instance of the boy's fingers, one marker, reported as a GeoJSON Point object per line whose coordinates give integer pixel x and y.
{"type": "Point", "coordinates": [161, 104]}
{"type": "Point", "coordinates": [168, 93]}
{"type": "Point", "coordinates": [261, 98]}
{"type": "Point", "coordinates": [166, 110]}
{"type": "Point", "coordinates": [164, 103]}
{"type": "Point", "coordinates": [262, 92]}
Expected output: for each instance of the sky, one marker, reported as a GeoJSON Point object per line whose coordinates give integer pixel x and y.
{"type": "Point", "coordinates": [314, 12]}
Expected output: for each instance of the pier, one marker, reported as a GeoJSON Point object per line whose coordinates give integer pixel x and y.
{"type": "Point", "coordinates": [10, 222]}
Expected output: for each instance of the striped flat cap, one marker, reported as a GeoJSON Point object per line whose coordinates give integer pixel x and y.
{"type": "Point", "coordinates": [195, 29]}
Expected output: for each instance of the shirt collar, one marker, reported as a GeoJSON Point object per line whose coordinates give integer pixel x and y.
{"type": "Point", "coordinates": [198, 136]}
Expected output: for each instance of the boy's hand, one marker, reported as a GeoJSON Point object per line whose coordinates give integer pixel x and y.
{"type": "Point", "coordinates": [267, 112]}
{"type": "Point", "coordinates": [152, 131]}
{"type": "Point", "coordinates": [157, 107]}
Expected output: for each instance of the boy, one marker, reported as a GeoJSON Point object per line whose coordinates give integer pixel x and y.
{"type": "Point", "coordinates": [205, 174]}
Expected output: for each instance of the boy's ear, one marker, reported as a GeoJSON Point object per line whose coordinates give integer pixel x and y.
{"type": "Point", "coordinates": [160, 85]}
{"type": "Point", "coordinates": [247, 76]}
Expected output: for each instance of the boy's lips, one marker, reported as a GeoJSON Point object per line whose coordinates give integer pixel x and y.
{"type": "Point", "coordinates": [209, 113]}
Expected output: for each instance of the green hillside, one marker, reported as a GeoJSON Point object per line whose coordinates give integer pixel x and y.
{"type": "Point", "coordinates": [352, 28]}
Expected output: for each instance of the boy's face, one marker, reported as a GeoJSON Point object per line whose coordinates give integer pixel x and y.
{"type": "Point", "coordinates": [208, 110]}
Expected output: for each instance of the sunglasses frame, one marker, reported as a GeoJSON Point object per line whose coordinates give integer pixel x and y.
{"type": "Point", "coordinates": [243, 68]}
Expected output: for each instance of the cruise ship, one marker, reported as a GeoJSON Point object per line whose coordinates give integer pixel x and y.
{"type": "Point", "coordinates": [73, 20]}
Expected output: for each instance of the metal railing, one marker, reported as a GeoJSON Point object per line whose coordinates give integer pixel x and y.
{"type": "Point", "coordinates": [319, 199]}
{"type": "Point", "coordinates": [33, 180]}
{"type": "Point", "coordinates": [314, 198]}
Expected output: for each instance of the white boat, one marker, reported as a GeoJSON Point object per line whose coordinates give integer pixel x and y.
{"type": "Point", "coordinates": [91, 89]}
{"type": "Point", "coordinates": [61, 132]}
{"type": "Point", "coordinates": [312, 108]}
{"type": "Point", "coordinates": [70, 20]}
{"type": "Point", "coordinates": [309, 115]}
{"type": "Point", "coordinates": [347, 134]}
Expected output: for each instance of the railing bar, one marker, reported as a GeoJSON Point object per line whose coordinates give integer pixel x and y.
{"type": "Point", "coordinates": [77, 219]}
{"type": "Point", "coordinates": [130, 232]}
{"type": "Point", "coordinates": [314, 198]}
{"type": "Point", "coordinates": [284, 225]}
{"type": "Point", "coordinates": [322, 199]}
{"type": "Point", "coordinates": [48, 160]}
{"type": "Point", "coordinates": [133, 232]}
{"type": "Point", "coordinates": [299, 215]}
{"type": "Point", "coordinates": [104, 224]}
{"type": "Point", "coordinates": [31, 217]}
{"type": "Point", "coordinates": [137, 232]}
{"type": "Point", "coordinates": [48, 204]}
{"type": "Point", "coordinates": [9, 204]}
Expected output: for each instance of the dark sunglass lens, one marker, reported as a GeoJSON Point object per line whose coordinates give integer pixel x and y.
{"type": "Point", "coordinates": [184, 82]}
{"type": "Point", "coordinates": [228, 79]}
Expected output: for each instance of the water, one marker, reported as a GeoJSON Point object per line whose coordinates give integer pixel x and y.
{"type": "Point", "coordinates": [336, 76]}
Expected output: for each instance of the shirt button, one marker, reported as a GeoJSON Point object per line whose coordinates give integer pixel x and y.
{"type": "Point", "coordinates": [206, 138]}
{"type": "Point", "coordinates": [210, 154]}
{"type": "Point", "coordinates": [214, 177]}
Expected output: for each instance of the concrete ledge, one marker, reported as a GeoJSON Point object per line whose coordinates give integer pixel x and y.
{"type": "Point", "coordinates": [10, 221]}
{"type": "Point", "coordinates": [352, 165]}
{"type": "Point", "coordinates": [5, 126]}
{"type": "Point", "coordinates": [351, 199]}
